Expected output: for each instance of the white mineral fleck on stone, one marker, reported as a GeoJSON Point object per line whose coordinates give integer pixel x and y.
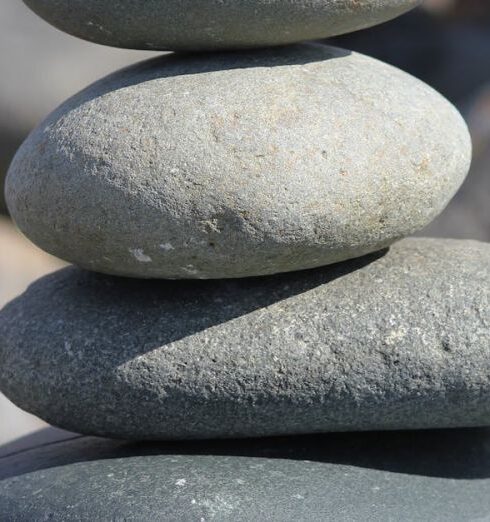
{"type": "Point", "coordinates": [139, 254]}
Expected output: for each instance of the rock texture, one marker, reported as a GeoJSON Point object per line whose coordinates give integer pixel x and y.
{"type": "Point", "coordinates": [468, 215]}
{"type": "Point", "coordinates": [397, 340]}
{"type": "Point", "coordinates": [20, 264]}
{"type": "Point", "coordinates": [328, 478]}
{"type": "Point", "coordinates": [238, 164]}
{"type": "Point", "coordinates": [197, 25]}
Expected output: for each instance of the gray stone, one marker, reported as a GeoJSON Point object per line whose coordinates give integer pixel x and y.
{"type": "Point", "coordinates": [468, 215]}
{"type": "Point", "coordinates": [238, 164]}
{"type": "Point", "coordinates": [214, 24]}
{"type": "Point", "coordinates": [437, 476]}
{"type": "Point", "coordinates": [389, 341]}
{"type": "Point", "coordinates": [21, 263]}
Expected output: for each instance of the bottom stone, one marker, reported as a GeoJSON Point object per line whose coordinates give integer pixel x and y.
{"type": "Point", "coordinates": [391, 476]}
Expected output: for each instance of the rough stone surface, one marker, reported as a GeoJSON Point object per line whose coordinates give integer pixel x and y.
{"type": "Point", "coordinates": [214, 24]}
{"type": "Point", "coordinates": [438, 476]}
{"type": "Point", "coordinates": [393, 341]}
{"type": "Point", "coordinates": [238, 164]}
{"type": "Point", "coordinates": [20, 264]}
{"type": "Point", "coordinates": [468, 215]}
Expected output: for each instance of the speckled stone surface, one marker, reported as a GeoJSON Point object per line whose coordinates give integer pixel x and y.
{"type": "Point", "coordinates": [213, 24]}
{"type": "Point", "coordinates": [238, 164]}
{"type": "Point", "coordinates": [438, 476]}
{"type": "Point", "coordinates": [400, 340]}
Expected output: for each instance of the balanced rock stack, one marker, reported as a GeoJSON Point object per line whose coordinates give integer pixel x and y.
{"type": "Point", "coordinates": [224, 166]}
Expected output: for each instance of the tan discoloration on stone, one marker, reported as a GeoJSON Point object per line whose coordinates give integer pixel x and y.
{"type": "Point", "coordinates": [283, 159]}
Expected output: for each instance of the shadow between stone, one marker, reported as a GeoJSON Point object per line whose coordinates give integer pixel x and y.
{"type": "Point", "coordinates": [462, 454]}
{"type": "Point", "coordinates": [128, 317]}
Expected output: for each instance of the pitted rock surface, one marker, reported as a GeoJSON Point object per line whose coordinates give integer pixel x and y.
{"type": "Point", "coordinates": [238, 164]}
{"type": "Point", "coordinates": [389, 341]}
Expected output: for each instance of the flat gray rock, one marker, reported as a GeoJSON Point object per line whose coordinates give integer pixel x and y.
{"type": "Point", "coordinates": [213, 24]}
{"type": "Point", "coordinates": [389, 341]}
{"type": "Point", "coordinates": [238, 164]}
{"type": "Point", "coordinates": [438, 476]}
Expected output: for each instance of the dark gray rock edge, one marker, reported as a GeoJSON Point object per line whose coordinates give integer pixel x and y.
{"type": "Point", "coordinates": [390, 341]}
{"type": "Point", "coordinates": [396, 476]}
{"type": "Point", "coordinates": [198, 25]}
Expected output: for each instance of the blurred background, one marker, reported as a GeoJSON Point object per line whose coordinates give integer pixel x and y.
{"type": "Point", "coordinates": [446, 43]}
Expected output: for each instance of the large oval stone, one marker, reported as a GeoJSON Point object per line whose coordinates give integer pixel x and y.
{"type": "Point", "coordinates": [213, 24]}
{"type": "Point", "coordinates": [400, 340]}
{"type": "Point", "coordinates": [444, 476]}
{"type": "Point", "coordinates": [238, 164]}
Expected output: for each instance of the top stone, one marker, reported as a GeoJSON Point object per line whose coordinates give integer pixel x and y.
{"type": "Point", "coordinates": [214, 24]}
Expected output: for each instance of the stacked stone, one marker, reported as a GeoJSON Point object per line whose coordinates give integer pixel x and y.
{"type": "Point", "coordinates": [197, 173]}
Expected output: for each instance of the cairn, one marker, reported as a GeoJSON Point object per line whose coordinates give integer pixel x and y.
{"type": "Point", "coordinates": [236, 217]}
